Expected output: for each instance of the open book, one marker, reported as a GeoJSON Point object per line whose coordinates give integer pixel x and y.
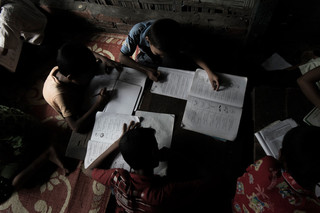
{"type": "Point", "coordinates": [215, 113]}
{"type": "Point", "coordinates": [271, 136]}
{"type": "Point", "coordinates": [126, 86]}
{"type": "Point", "coordinates": [313, 117]}
{"type": "Point", "coordinates": [108, 128]}
{"type": "Point", "coordinates": [173, 82]}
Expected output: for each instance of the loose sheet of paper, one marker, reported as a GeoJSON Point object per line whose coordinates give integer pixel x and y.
{"type": "Point", "coordinates": [133, 76]}
{"type": "Point", "coordinates": [231, 91]}
{"type": "Point", "coordinates": [211, 118]}
{"type": "Point", "coordinates": [275, 62]}
{"type": "Point", "coordinates": [107, 129]}
{"type": "Point", "coordinates": [176, 83]}
{"type": "Point", "coordinates": [77, 146]}
{"type": "Point", "coordinates": [163, 124]}
{"type": "Point", "coordinates": [124, 98]}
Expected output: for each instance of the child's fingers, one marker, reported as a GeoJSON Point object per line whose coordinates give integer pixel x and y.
{"type": "Point", "coordinates": [215, 85]}
{"type": "Point", "coordinates": [103, 91]}
{"type": "Point", "coordinates": [133, 125]}
{"type": "Point", "coordinates": [124, 127]}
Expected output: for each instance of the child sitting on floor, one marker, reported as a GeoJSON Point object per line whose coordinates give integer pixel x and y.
{"type": "Point", "coordinates": [141, 190]}
{"type": "Point", "coordinates": [20, 19]}
{"type": "Point", "coordinates": [64, 87]}
{"type": "Point", "coordinates": [287, 184]}
{"type": "Point", "coordinates": [25, 147]}
{"type": "Point", "coordinates": [160, 43]}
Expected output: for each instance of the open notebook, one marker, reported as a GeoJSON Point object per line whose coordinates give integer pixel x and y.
{"type": "Point", "coordinates": [214, 113]}
{"type": "Point", "coordinates": [108, 128]}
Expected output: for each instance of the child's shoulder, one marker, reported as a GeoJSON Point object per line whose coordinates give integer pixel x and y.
{"type": "Point", "coordinates": [265, 163]}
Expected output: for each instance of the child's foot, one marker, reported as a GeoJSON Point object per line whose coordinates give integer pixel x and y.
{"type": "Point", "coordinates": [53, 157]}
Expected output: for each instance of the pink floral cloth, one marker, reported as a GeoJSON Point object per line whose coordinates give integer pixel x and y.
{"type": "Point", "coordinates": [264, 187]}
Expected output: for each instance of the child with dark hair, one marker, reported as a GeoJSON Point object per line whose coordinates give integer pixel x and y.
{"type": "Point", "coordinates": [287, 184]}
{"type": "Point", "coordinates": [64, 87]}
{"type": "Point", "coordinates": [139, 149]}
{"type": "Point", "coordinates": [161, 43]}
{"type": "Point", "coordinates": [141, 190]}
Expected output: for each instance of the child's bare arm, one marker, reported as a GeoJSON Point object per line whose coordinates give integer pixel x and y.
{"type": "Point", "coordinates": [307, 84]}
{"type": "Point", "coordinates": [111, 150]}
{"type": "Point", "coordinates": [214, 79]}
{"type": "Point", "coordinates": [25, 175]}
{"type": "Point", "coordinates": [152, 74]}
{"type": "Point", "coordinates": [108, 62]}
{"type": "Point", "coordinates": [86, 121]}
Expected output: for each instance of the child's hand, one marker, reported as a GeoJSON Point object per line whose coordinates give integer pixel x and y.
{"type": "Point", "coordinates": [153, 74]}
{"type": "Point", "coordinates": [104, 97]}
{"type": "Point", "coordinates": [125, 128]}
{"type": "Point", "coordinates": [131, 126]}
{"type": "Point", "coordinates": [214, 80]}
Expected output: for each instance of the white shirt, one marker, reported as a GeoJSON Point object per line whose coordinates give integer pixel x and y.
{"type": "Point", "coordinates": [21, 18]}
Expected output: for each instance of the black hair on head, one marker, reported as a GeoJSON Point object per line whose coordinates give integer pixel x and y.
{"type": "Point", "coordinates": [164, 34]}
{"type": "Point", "coordinates": [75, 58]}
{"type": "Point", "coordinates": [300, 153]}
{"type": "Point", "coordinates": [138, 148]}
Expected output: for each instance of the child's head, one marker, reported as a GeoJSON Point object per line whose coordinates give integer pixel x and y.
{"type": "Point", "coordinates": [76, 62]}
{"type": "Point", "coordinates": [300, 155]}
{"type": "Point", "coordinates": [164, 36]}
{"type": "Point", "coordinates": [139, 148]}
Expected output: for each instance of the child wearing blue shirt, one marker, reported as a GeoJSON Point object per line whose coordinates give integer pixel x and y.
{"type": "Point", "coordinates": [160, 44]}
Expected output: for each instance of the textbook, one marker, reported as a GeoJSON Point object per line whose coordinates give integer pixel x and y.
{"type": "Point", "coordinates": [215, 113]}
{"type": "Point", "coordinates": [313, 117]}
{"type": "Point", "coordinates": [271, 136]}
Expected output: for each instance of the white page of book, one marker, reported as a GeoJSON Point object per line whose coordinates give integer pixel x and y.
{"type": "Point", "coordinates": [135, 77]}
{"type": "Point", "coordinates": [107, 129]}
{"type": "Point", "coordinates": [211, 118]}
{"type": "Point", "coordinates": [98, 82]}
{"type": "Point", "coordinates": [124, 98]}
{"type": "Point", "coordinates": [11, 59]}
{"type": "Point", "coordinates": [274, 134]}
{"type": "Point", "coordinates": [231, 91]}
{"type": "Point", "coordinates": [163, 124]}
{"type": "Point", "coordinates": [313, 117]}
{"type": "Point", "coordinates": [176, 83]}
{"type": "Point", "coordinates": [263, 144]}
